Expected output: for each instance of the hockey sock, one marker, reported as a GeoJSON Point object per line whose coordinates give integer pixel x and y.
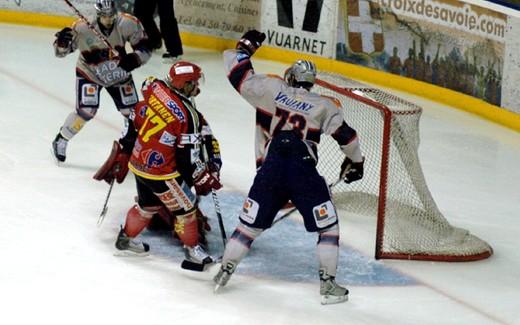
{"type": "Point", "coordinates": [187, 228]}
{"type": "Point", "coordinates": [328, 249]}
{"type": "Point", "coordinates": [72, 125]}
{"type": "Point", "coordinates": [240, 242]}
{"type": "Point", "coordinates": [136, 220]}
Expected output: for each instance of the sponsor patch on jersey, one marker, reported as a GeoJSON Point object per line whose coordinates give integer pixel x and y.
{"type": "Point", "coordinates": [142, 111]}
{"type": "Point", "coordinates": [176, 110]}
{"type": "Point", "coordinates": [249, 210]}
{"type": "Point", "coordinates": [324, 214]}
{"type": "Point", "coordinates": [167, 139]}
{"type": "Point", "coordinates": [128, 95]}
{"type": "Point", "coordinates": [153, 158]}
{"type": "Point", "coordinates": [89, 95]}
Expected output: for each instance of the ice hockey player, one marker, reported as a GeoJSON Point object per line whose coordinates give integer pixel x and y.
{"type": "Point", "coordinates": [98, 67]}
{"type": "Point", "coordinates": [170, 148]}
{"type": "Point", "coordinates": [290, 119]}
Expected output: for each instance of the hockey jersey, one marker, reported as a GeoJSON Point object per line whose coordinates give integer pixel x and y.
{"type": "Point", "coordinates": [168, 135]}
{"type": "Point", "coordinates": [281, 107]}
{"type": "Point", "coordinates": [95, 61]}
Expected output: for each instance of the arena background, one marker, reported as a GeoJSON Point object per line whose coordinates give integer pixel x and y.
{"type": "Point", "coordinates": [454, 52]}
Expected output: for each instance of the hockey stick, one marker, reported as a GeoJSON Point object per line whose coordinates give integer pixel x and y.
{"type": "Point", "coordinates": [93, 29]}
{"type": "Point", "coordinates": [288, 213]}
{"type": "Point", "coordinates": [105, 206]}
{"type": "Point", "coordinates": [219, 216]}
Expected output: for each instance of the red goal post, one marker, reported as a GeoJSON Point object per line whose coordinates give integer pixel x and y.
{"type": "Point", "coordinates": [393, 189]}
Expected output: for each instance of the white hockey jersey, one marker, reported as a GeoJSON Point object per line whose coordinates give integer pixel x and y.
{"type": "Point", "coordinates": [95, 62]}
{"type": "Point", "coordinates": [281, 107]}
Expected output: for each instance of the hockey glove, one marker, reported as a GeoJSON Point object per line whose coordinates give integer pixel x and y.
{"type": "Point", "coordinates": [115, 167]}
{"type": "Point", "coordinates": [250, 42]}
{"type": "Point", "coordinates": [129, 62]}
{"type": "Point", "coordinates": [206, 182]}
{"type": "Point", "coordinates": [351, 171]}
{"type": "Point", "coordinates": [64, 37]}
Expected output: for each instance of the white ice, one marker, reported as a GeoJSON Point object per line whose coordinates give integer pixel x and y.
{"type": "Point", "coordinates": [57, 267]}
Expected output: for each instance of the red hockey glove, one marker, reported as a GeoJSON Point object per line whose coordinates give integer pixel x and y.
{"type": "Point", "coordinates": [115, 167]}
{"type": "Point", "coordinates": [351, 171]}
{"type": "Point", "coordinates": [250, 42]}
{"type": "Point", "coordinates": [205, 182]}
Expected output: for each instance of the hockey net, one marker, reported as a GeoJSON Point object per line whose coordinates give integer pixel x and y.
{"type": "Point", "coordinates": [409, 224]}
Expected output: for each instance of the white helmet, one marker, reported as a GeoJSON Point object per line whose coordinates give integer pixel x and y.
{"type": "Point", "coordinates": [105, 7]}
{"type": "Point", "coordinates": [301, 74]}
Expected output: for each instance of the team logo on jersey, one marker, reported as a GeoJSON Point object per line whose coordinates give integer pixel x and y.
{"type": "Point", "coordinates": [167, 139]}
{"type": "Point", "coordinates": [175, 109]}
{"type": "Point", "coordinates": [249, 210]}
{"type": "Point", "coordinates": [324, 214]}
{"type": "Point", "coordinates": [153, 158]}
{"type": "Point", "coordinates": [90, 95]}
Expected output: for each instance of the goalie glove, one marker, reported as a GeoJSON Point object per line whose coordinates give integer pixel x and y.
{"type": "Point", "coordinates": [351, 171]}
{"type": "Point", "coordinates": [205, 182]}
{"type": "Point", "coordinates": [250, 42]}
{"type": "Point", "coordinates": [115, 167]}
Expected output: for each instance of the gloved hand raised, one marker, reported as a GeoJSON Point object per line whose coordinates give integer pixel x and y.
{"type": "Point", "coordinates": [129, 62]}
{"type": "Point", "coordinates": [64, 37]}
{"type": "Point", "coordinates": [250, 42]}
{"type": "Point", "coordinates": [351, 171]}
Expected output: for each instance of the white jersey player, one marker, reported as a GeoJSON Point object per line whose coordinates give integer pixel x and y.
{"type": "Point", "coordinates": [99, 67]}
{"type": "Point", "coordinates": [290, 120]}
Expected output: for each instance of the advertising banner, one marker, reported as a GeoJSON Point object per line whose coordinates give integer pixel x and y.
{"type": "Point", "coordinates": [448, 43]}
{"type": "Point", "coordinates": [227, 19]}
{"type": "Point", "coordinates": [306, 26]}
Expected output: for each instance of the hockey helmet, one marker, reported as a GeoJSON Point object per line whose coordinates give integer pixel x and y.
{"type": "Point", "coordinates": [184, 76]}
{"type": "Point", "coordinates": [301, 73]}
{"type": "Point", "coordinates": [105, 8]}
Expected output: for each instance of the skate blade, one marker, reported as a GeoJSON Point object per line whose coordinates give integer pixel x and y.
{"type": "Point", "coordinates": [329, 300]}
{"type": "Point", "coordinates": [217, 288]}
{"type": "Point", "coordinates": [127, 253]}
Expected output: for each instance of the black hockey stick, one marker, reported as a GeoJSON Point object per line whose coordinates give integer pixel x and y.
{"type": "Point", "coordinates": [105, 206]}
{"type": "Point", "coordinates": [93, 29]}
{"type": "Point", "coordinates": [288, 213]}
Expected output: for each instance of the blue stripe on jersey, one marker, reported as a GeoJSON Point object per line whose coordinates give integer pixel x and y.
{"type": "Point", "coordinates": [238, 73]}
{"type": "Point", "coordinates": [242, 238]}
{"type": "Point", "coordinates": [263, 119]}
{"type": "Point", "coordinates": [344, 134]}
{"type": "Point", "coordinates": [329, 240]}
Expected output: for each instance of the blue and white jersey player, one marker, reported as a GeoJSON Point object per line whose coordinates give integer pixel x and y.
{"type": "Point", "coordinates": [290, 120]}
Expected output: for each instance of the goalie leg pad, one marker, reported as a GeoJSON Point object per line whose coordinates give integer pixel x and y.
{"type": "Point", "coordinates": [137, 219]}
{"type": "Point", "coordinates": [187, 228]}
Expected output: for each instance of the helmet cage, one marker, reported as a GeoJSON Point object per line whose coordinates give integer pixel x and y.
{"type": "Point", "coordinates": [105, 8]}
{"type": "Point", "coordinates": [301, 74]}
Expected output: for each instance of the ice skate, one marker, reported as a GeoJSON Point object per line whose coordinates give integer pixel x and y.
{"type": "Point", "coordinates": [59, 148]}
{"type": "Point", "coordinates": [330, 291]}
{"type": "Point", "coordinates": [170, 59]}
{"type": "Point", "coordinates": [127, 246]}
{"type": "Point", "coordinates": [223, 275]}
{"type": "Point", "coordinates": [196, 258]}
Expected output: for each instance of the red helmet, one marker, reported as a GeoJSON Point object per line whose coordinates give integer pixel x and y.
{"type": "Point", "coordinates": [182, 72]}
